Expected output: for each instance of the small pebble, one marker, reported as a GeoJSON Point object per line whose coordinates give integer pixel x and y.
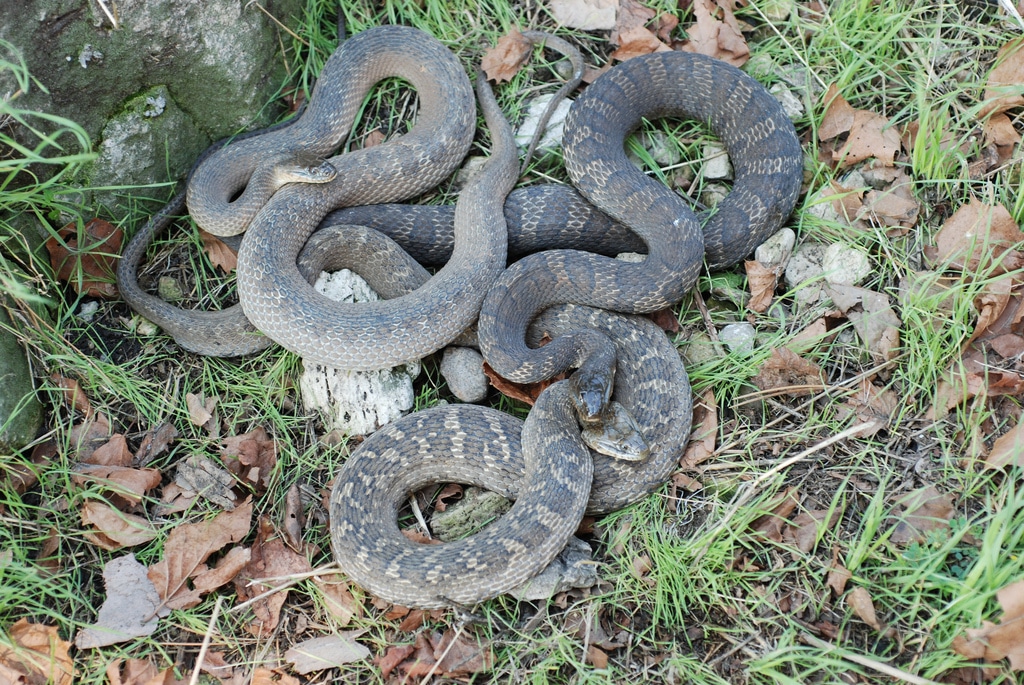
{"type": "Point", "coordinates": [738, 337]}
{"type": "Point", "coordinates": [463, 370]}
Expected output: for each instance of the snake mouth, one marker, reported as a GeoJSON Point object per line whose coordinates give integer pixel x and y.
{"type": "Point", "coordinates": [304, 171]}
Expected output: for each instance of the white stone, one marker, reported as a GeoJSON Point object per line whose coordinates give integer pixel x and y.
{"type": "Point", "coordinates": [355, 402]}
{"type": "Point", "coordinates": [738, 337]}
{"type": "Point", "coordinates": [791, 104]}
{"type": "Point", "coordinates": [845, 265]}
{"type": "Point", "coordinates": [803, 273]}
{"type": "Point", "coordinates": [552, 138]}
{"type": "Point", "coordinates": [716, 162]}
{"type": "Point", "coordinates": [776, 251]}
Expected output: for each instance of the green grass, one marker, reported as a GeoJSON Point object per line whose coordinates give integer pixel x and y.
{"type": "Point", "coordinates": [719, 603]}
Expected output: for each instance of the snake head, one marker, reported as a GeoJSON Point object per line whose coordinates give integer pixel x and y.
{"type": "Point", "coordinates": [313, 171]}
{"type": "Point", "coordinates": [591, 391]}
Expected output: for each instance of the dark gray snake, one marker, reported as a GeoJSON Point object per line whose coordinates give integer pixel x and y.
{"type": "Point", "coordinates": [433, 446]}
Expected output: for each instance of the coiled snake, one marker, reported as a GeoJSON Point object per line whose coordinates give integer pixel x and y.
{"type": "Point", "coordinates": [435, 445]}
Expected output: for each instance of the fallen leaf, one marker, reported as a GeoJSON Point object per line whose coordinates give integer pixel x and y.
{"type": "Point", "coordinates": [85, 259]}
{"type": "Point", "coordinates": [1008, 449]}
{"type": "Point", "coordinates": [130, 609]}
{"type": "Point", "coordinates": [597, 657]}
{"type": "Point", "coordinates": [1000, 132]}
{"type": "Point", "coordinates": [293, 518]}
{"type": "Point", "coordinates": [859, 600]}
{"type": "Point", "coordinates": [772, 524]}
{"type": "Point", "coordinates": [271, 558]}
{"type": "Point", "coordinates": [637, 41]}
{"type": "Point", "coordinates": [995, 642]}
{"type": "Point", "coordinates": [838, 116]}
{"type": "Point", "coordinates": [761, 281]}
{"type": "Point", "coordinates": [74, 396]}
{"type": "Point", "coordinates": [224, 572]}
{"type": "Point", "coordinates": [701, 445]}
{"type": "Point", "coordinates": [127, 483]}
{"type": "Point", "coordinates": [871, 405]}
{"type": "Point", "coordinates": [187, 549]}
{"type": "Point", "coordinates": [269, 676]}
{"type": "Point", "coordinates": [320, 653]}
{"type": "Point", "coordinates": [114, 452]}
{"type": "Point", "coordinates": [871, 135]}
{"type": "Point", "coordinates": [504, 60]}
{"type": "Point", "coordinates": [138, 672]}
{"type": "Point", "coordinates": [220, 254]}
{"type": "Point", "coordinates": [1003, 88]}
{"type": "Point", "coordinates": [155, 443]}
{"type": "Point", "coordinates": [586, 15]}
{"type": "Point", "coordinates": [977, 236]}
{"type": "Point", "coordinates": [923, 510]}
{"type": "Point", "coordinates": [37, 653]}
{"type": "Point", "coordinates": [113, 529]}
{"type": "Point", "coordinates": [200, 409]}
{"type": "Point", "coordinates": [803, 531]}
{"type": "Point", "coordinates": [838, 575]}
{"type": "Point", "coordinates": [392, 658]}
{"type": "Point", "coordinates": [337, 598]}
{"type": "Point", "coordinates": [714, 37]}
{"type": "Point", "coordinates": [786, 371]}
{"type": "Point", "coordinates": [524, 392]}
{"type": "Point", "coordinates": [251, 456]}
{"type": "Point", "coordinates": [874, 320]}
{"type": "Point", "coordinates": [204, 477]}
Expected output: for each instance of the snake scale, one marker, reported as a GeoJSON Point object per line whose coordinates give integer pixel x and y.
{"type": "Point", "coordinates": [474, 444]}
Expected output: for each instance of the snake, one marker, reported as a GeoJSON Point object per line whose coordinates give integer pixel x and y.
{"type": "Point", "coordinates": [436, 445]}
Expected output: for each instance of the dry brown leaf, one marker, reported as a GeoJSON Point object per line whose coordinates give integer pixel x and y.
{"type": "Point", "coordinates": [772, 524]}
{"type": "Point", "coordinates": [871, 135]}
{"type": "Point", "coordinates": [978, 235]}
{"type": "Point", "coordinates": [200, 409]}
{"type": "Point", "coordinates": [923, 510]}
{"type": "Point", "coordinates": [86, 260]}
{"type": "Point", "coordinates": [204, 477]}
{"type": "Point", "coordinates": [999, 131]}
{"type": "Point", "coordinates": [114, 452]}
{"type": "Point", "coordinates": [269, 676]}
{"type": "Point", "coordinates": [761, 280]}
{"type": "Point", "coordinates": [597, 657]}
{"type": "Point", "coordinates": [872, 405]}
{"type": "Point", "coordinates": [637, 41]}
{"type": "Point", "coordinates": [138, 672]}
{"type": "Point", "coordinates": [1008, 449]}
{"type": "Point", "coordinates": [228, 566]}
{"type": "Point", "coordinates": [127, 483]}
{"type": "Point", "coordinates": [271, 558]}
{"type": "Point", "coordinates": [88, 435]}
{"type": "Point", "coordinates": [338, 599]}
{"type": "Point", "coordinates": [838, 575]}
{"type": "Point", "coordinates": [838, 116]}
{"type": "Point", "coordinates": [785, 370]}
{"type": "Point", "coordinates": [130, 609]}
{"type": "Point", "coordinates": [38, 654]}
{"type": "Point", "coordinates": [1003, 88]}
{"type": "Point", "coordinates": [113, 529]}
{"type": "Point", "coordinates": [220, 254]}
{"type": "Point", "coordinates": [187, 549]}
{"type": "Point", "coordinates": [802, 532]}
{"type": "Point", "coordinates": [716, 37]}
{"type": "Point", "coordinates": [586, 15]}
{"type": "Point", "coordinates": [155, 443]}
{"type": "Point", "coordinates": [524, 392]}
{"type": "Point", "coordinates": [251, 456]}
{"type": "Point", "coordinates": [74, 396]}
{"type": "Point", "coordinates": [630, 15]}
{"type": "Point", "coordinates": [373, 138]}
{"type": "Point", "coordinates": [859, 600]}
{"type": "Point", "coordinates": [319, 653]}
{"type": "Point", "coordinates": [293, 517]}
{"type": "Point", "coordinates": [991, 303]}
{"type": "Point", "coordinates": [504, 60]}
{"type": "Point", "coordinates": [994, 642]}
{"type": "Point", "coordinates": [891, 208]}
{"type": "Point", "coordinates": [701, 446]}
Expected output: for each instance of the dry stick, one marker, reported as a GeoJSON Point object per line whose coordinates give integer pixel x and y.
{"type": "Point", "coordinates": [867, 662]}
{"type": "Point", "coordinates": [291, 580]}
{"type": "Point", "coordinates": [750, 487]}
{"type": "Point", "coordinates": [113, 19]}
{"type": "Point", "coordinates": [206, 642]}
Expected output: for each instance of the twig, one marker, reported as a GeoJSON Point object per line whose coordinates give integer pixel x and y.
{"type": "Point", "coordinates": [206, 642]}
{"type": "Point", "coordinates": [110, 15]}
{"type": "Point", "coordinates": [867, 662]}
{"type": "Point", "coordinates": [291, 580]}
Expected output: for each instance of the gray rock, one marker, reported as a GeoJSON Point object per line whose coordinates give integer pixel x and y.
{"type": "Point", "coordinates": [463, 370]}
{"type": "Point", "coordinates": [716, 162]}
{"type": "Point", "coordinates": [21, 413]}
{"type": "Point", "coordinates": [170, 78]}
{"type": "Point", "coordinates": [776, 251]}
{"type": "Point", "coordinates": [845, 265]}
{"type": "Point", "coordinates": [475, 510]}
{"type": "Point", "coordinates": [738, 337]}
{"type": "Point", "coordinates": [552, 136]}
{"type": "Point", "coordinates": [804, 273]}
